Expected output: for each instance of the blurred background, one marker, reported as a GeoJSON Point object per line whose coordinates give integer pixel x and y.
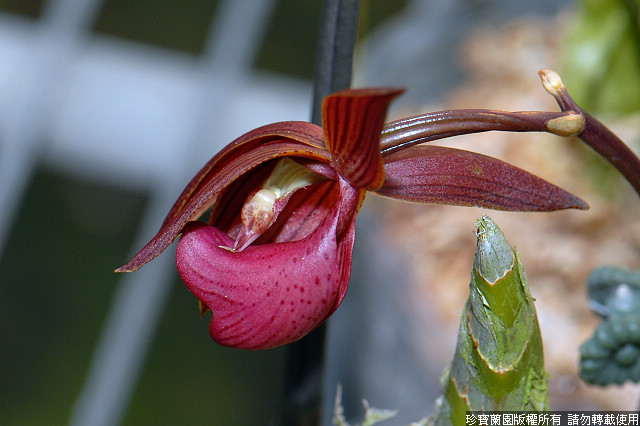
{"type": "Point", "coordinates": [108, 107]}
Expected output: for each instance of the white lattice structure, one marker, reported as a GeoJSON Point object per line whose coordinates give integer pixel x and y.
{"type": "Point", "coordinates": [137, 115]}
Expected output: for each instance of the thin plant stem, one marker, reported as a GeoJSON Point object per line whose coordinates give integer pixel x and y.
{"type": "Point", "coordinates": [596, 135]}
{"type": "Point", "coordinates": [400, 134]}
{"type": "Point", "coordinates": [333, 70]}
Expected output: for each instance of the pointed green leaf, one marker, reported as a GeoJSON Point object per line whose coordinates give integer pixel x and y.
{"type": "Point", "coordinates": [498, 363]}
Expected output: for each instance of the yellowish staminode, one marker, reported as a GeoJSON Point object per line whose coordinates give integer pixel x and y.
{"type": "Point", "coordinates": [259, 212]}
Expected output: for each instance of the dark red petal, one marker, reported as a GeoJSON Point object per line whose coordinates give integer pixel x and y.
{"type": "Point", "coordinates": [245, 153]}
{"type": "Point", "coordinates": [352, 122]}
{"type": "Point", "coordinates": [435, 174]}
{"type": "Point", "coordinates": [270, 294]}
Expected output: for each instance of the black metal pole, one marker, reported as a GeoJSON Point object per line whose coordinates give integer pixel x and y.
{"type": "Point", "coordinates": [333, 71]}
{"type": "Point", "coordinates": [334, 55]}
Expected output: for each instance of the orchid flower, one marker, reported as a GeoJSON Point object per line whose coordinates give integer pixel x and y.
{"type": "Point", "coordinates": [274, 259]}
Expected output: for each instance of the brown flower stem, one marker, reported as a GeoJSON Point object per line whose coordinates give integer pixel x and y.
{"type": "Point", "coordinates": [572, 121]}
{"type": "Point", "coordinates": [596, 135]}
{"type": "Point", "coordinates": [402, 133]}
{"type": "Point", "coordinates": [607, 144]}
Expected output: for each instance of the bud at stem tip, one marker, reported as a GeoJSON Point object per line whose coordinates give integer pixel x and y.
{"type": "Point", "coordinates": [551, 81]}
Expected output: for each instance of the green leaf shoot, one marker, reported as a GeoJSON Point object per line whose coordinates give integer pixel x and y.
{"type": "Point", "coordinates": [498, 363]}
